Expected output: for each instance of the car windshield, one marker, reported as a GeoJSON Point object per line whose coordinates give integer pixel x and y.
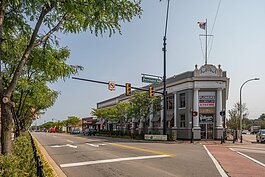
{"type": "Point", "coordinates": [262, 132]}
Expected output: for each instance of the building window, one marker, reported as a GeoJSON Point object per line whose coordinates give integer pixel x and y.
{"type": "Point", "coordinates": [170, 102]}
{"type": "Point", "coordinates": [182, 100]}
{"type": "Point", "coordinates": [182, 120]}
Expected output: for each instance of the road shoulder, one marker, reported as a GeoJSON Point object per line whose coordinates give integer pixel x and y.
{"type": "Point", "coordinates": [56, 169]}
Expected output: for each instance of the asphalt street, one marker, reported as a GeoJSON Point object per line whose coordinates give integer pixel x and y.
{"type": "Point", "coordinates": [83, 156]}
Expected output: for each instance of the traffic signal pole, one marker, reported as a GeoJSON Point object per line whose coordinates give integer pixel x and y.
{"type": "Point", "coordinates": [118, 85]}
{"type": "Point", "coordinates": [164, 77]}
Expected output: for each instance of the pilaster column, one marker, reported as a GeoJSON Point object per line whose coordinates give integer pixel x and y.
{"type": "Point", "coordinates": [161, 114]}
{"type": "Point", "coordinates": [196, 107]}
{"type": "Point", "coordinates": [175, 110]}
{"type": "Point", "coordinates": [219, 108]}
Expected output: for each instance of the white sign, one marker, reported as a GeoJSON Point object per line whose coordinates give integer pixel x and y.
{"type": "Point", "coordinates": [155, 137]}
{"type": "Point", "coordinates": [112, 86]}
{"type": "Point", "coordinates": [206, 99]}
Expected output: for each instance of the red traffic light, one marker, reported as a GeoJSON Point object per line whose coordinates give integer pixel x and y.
{"type": "Point", "coordinates": [194, 113]}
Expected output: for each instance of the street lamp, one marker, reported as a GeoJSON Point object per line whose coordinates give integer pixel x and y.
{"type": "Point", "coordinates": [240, 105]}
{"type": "Point", "coordinates": [164, 77]}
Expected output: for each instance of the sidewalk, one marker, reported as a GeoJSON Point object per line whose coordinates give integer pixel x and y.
{"type": "Point", "coordinates": [234, 164]}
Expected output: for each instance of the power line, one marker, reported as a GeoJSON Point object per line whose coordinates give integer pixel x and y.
{"type": "Point", "coordinates": [218, 7]}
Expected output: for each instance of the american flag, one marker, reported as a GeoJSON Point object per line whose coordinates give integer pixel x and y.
{"type": "Point", "coordinates": [202, 25]}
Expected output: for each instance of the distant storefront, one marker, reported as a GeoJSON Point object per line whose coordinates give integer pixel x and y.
{"type": "Point", "coordinates": [89, 122]}
{"type": "Point", "coordinates": [204, 90]}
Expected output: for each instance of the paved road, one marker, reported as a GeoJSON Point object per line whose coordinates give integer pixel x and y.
{"type": "Point", "coordinates": [81, 156]}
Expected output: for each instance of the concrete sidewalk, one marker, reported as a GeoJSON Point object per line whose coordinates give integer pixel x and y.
{"type": "Point", "coordinates": [234, 164]}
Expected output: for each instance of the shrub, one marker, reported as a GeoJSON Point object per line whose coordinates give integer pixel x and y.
{"type": "Point", "coordinates": [21, 162]}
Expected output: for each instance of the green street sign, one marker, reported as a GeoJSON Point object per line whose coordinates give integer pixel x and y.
{"type": "Point", "coordinates": [151, 80]}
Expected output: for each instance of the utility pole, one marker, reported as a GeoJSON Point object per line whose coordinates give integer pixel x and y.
{"type": "Point", "coordinates": [164, 77]}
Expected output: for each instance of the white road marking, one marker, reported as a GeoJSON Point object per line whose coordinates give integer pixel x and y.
{"type": "Point", "coordinates": [56, 146]}
{"type": "Point", "coordinates": [260, 151]}
{"type": "Point", "coordinates": [111, 160]}
{"type": "Point", "coordinates": [95, 145]}
{"type": "Point", "coordinates": [250, 158]}
{"type": "Point", "coordinates": [69, 141]}
{"type": "Point", "coordinates": [217, 165]}
{"type": "Point", "coordinates": [69, 145]}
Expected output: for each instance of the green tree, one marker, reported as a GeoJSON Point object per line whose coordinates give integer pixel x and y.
{"type": "Point", "coordinates": [73, 121]}
{"type": "Point", "coordinates": [262, 117]}
{"type": "Point", "coordinates": [35, 24]}
{"type": "Point", "coordinates": [141, 106]}
{"type": "Point", "coordinates": [47, 125]}
{"type": "Point", "coordinates": [234, 116]}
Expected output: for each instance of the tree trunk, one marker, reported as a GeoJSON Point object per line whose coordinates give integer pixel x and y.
{"type": "Point", "coordinates": [6, 131]}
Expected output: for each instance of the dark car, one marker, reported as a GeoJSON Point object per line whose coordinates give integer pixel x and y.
{"type": "Point", "coordinates": [75, 131]}
{"type": "Point", "coordinates": [89, 132]}
{"type": "Point", "coordinates": [260, 136]}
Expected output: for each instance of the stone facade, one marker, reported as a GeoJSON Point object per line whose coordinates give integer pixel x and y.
{"type": "Point", "coordinates": [204, 90]}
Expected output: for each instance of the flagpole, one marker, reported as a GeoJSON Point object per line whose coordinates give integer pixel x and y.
{"type": "Point", "coordinates": [206, 42]}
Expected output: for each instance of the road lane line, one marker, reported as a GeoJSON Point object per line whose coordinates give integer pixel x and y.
{"type": "Point", "coordinates": [111, 160]}
{"type": "Point", "coordinates": [70, 141]}
{"type": "Point", "coordinates": [250, 150]}
{"type": "Point", "coordinates": [95, 145]}
{"type": "Point", "coordinates": [69, 145]}
{"type": "Point", "coordinates": [250, 158]}
{"type": "Point", "coordinates": [217, 165]}
{"type": "Point", "coordinates": [142, 149]}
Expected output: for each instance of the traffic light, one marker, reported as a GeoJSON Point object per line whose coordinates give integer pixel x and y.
{"type": "Point", "coordinates": [194, 113]}
{"type": "Point", "coordinates": [222, 113]}
{"type": "Point", "coordinates": [128, 89]}
{"type": "Point", "coordinates": [151, 91]}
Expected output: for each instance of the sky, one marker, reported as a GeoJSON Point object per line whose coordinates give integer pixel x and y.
{"type": "Point", "coordinates": [238, 46]}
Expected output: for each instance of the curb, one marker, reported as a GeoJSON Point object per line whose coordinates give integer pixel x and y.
{"type": "Point", "coordinates": [57, 172]}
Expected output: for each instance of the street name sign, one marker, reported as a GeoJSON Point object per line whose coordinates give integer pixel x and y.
{"type": "Point", "coordinates": [150, 80]}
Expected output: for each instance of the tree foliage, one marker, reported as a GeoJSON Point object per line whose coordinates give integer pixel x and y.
{"type": "Point", "coordinates": [73, 121]}
{"type": "Point", "coordinates": [234, 116]}
{"type": "Point", "coordinates": [138, 106]}
{"type": "Point", "coordinates": [28, 27]}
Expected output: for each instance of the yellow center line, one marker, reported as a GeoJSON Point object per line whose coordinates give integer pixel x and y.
{"type": "Point", "coordinates": [141, 149]}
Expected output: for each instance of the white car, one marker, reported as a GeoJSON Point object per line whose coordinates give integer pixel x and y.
{"type": "Point", "coordinates": [260, 136]}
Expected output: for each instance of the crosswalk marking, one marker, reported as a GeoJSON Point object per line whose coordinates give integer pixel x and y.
{"type": "Point", "coordinates": [111, 160]}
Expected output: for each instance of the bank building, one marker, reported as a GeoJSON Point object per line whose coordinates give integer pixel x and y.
{"type": "Point", "coordinates": [203, 90]}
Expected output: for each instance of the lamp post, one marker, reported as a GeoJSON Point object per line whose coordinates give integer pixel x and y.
{"type": "Point", "coordinates": [240, 105]}
{"type": "Point", "coordinates": [164, 77]}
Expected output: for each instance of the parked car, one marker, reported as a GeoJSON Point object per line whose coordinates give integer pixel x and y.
{"type": "Point", "coordinates": [89, 132]}
{"type": "Point", "coordinates": [75, 131]}
{"type": "Point", "coordinates": [260, 136]}
{"type": "Point", "coordinates": [52, 130]}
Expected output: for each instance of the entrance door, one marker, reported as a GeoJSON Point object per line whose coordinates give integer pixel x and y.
{"type": "Point", "coordinates": [207, 131]}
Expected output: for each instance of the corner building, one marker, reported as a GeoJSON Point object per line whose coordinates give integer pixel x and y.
{"type": "Point", "coordinates": [204, 90]}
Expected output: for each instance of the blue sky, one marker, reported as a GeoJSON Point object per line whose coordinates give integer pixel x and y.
{"type": "Point", "coordinates": [238, 46]}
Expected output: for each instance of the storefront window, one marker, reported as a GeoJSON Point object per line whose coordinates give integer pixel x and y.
{"type": "Point", "coordinates": [182, 100]}
{"type": "Point", "coordinates": [170, 102]}
{"type": "Point", "coordinates": [182, 120]}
